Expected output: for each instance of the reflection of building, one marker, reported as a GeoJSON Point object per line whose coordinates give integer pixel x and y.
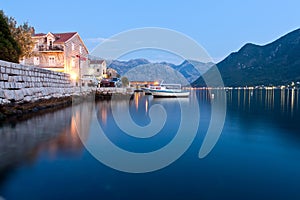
{"type": "Point", "coordinates": [97, 68]}
{"type": "Point", "coordinates": [58, 52]}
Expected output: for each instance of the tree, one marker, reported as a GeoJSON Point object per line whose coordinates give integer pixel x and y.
{"type": "Point", "coordinates": [9, 48]}
{"type": "Point", "coordinates": [125, 81]}
{"type": "Point", "coordinates": [22, 34]}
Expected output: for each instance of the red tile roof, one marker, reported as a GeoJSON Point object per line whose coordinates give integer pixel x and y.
{"type": "Point", "coordinates": [60, 37]}
{"type": "Point", "coordinates": [63, 37]}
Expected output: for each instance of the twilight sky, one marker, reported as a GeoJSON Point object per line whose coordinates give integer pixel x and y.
{"type": "Point", "coordinates": [221, 27]}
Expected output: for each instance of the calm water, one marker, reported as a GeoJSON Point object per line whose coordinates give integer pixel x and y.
{"type": "Point", "coordinates": [257, 155]}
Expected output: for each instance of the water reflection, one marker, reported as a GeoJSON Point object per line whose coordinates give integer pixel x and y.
{"type": "Point", "coordinates": [51, 133]}
{"type": "Point", "coordinates": [279, 107]}
{"type": "Point", "coordinates": [254, 150]}
{"type": "Point", "coordinates": [285, 100]}
{"type": "Point", "coordinates": [56, 132]}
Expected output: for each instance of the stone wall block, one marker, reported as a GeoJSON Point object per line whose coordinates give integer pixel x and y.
{"type": "Point", "coordinates": [2, 69]}
{"type": "Point", "coordinates": [19, 95]}
{"type": "Point", "coordinates": [11, 79]}
{"type": "Point", "coordinates": [2, 94]}
{"type": "Point", "coordinates": [9, 94]}
{"type": "Point", "coordinates": [5, 77]}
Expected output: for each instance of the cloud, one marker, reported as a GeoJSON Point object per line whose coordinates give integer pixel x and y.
{"type": "Point", "coordinates": [99, 40]}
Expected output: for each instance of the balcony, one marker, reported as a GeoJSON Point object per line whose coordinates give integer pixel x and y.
{"type": "Point", "coordinates": [51, 48]}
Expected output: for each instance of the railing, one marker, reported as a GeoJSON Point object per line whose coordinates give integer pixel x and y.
{"type": "Point", "coordinates": [51, 48]}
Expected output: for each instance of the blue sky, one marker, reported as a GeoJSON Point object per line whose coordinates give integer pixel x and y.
{"type": "Point", "coordinates": [221, 27]}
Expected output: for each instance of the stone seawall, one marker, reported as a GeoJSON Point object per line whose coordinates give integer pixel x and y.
{"type": "Point", "coordinates": [27, 89]}
{"type": "Point", "coordinates": [21, 84]}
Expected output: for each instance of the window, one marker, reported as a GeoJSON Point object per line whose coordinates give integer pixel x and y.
{"type": "Point", "coordinates": [36, 45]}
{"type": "Point", "coordinates": [51, 60]}
{"type": "Point", "coordinates": [50, 44]}
{"type": "Point", "coordinates": [73, 46]}
{"type": "Point", "coordinates": [80, 49]}
{"type": "Point", "coordinates": [36, 60]}
{"type": "Point", "coordinates": [98, 70]}
{"type": "Point", "coordinates": [72, 62]}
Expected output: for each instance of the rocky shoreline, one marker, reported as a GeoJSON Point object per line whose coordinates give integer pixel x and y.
{"type": "Point", "coordinates": [21, 109]}
{"type": "Point", "coordinates": [27, 89]}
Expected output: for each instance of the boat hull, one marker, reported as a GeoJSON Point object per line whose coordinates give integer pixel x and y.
{"type": "Point", "coordinates": [169, 94]}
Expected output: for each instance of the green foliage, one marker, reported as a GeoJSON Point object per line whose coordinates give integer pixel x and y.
{"type": "Point", "coordinates": [16, 41]}
{"type": "Point", "coordinates": [22, 34]}
{"type": "Point", "coordinates": [125, 81]}
{"type": "Point", "coordinates": [9, 48]}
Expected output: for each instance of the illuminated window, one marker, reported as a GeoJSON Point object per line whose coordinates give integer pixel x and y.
{"type": "Point", "coordinates": [80, 49]}
{"type": "Point", "coordinates": [73, 46]}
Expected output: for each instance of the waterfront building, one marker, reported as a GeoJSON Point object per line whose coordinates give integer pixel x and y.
{"type": "Point", "coordinates": [97, 68]}
{"type": "Point", "coordinates": [61, 52]}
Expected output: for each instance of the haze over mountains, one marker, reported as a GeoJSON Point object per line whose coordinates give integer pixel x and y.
{"type": "Point", "coordinates": [277, 63]}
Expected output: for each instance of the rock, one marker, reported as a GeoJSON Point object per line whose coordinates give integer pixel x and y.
{"type": "Point", "coordinates": [28, 99]}
{"type": "Point", "coordinates": [5, 101]}
{"type": "Point", "coordinates": [47, 97]}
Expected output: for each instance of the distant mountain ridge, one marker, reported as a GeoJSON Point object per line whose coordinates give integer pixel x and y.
{"type": "Point", "coordinates": [277, 63]}
{"type": "Point", "coordinates": [190, 69]}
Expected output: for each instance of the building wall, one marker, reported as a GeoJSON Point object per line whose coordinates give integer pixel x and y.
{"type": "Point", "coordinates": [97, 69]}
{"type": "Point", "coordinates": [72, 48]}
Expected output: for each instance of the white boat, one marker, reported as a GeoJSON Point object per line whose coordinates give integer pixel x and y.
{"type": "Point", "coordinates": [168, 90]}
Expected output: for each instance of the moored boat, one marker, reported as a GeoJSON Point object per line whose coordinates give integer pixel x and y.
{"type": "Point", "coordinates": [168, 90]}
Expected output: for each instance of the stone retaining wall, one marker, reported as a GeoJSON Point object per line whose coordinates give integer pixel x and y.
{"type": "Point", "coordinates": [21, 84]}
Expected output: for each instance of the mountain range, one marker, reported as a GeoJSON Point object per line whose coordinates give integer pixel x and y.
{"type": "Point", "coordinates": [136, 69]}
{"type": "Point", "coordinates": [276, 63]}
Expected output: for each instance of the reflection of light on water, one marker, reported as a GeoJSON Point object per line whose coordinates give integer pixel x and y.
{"type": "Point", "coordinates": [297, 97]}
{"type": "Point", "coordinates": [239, 98]}
{"type": "Point", "coordinates": [269, 99]}
{"type": "Point", "coordinates": [288, 100]}
{"type": "Point", "coordinates": [244, 100]}
{"type": "Point", "coordinates": [104, 115]}
{"type": "Point", "coordinates": [282, 99]}
{"type": "Point", "coordinates": [250, 94]}
{"type": "Point", "coordinates": [285, 100]}
{"type": "Point", "coordinates": [136, 101]}
{"type": "Point", "coordinates": [292, 101]}
{"type": "Point", "coordinates": [260, 95]}
{"type": "Point", "coordinates": [146, 106]}
{"type": "Point", "coordinates": [73, 124]}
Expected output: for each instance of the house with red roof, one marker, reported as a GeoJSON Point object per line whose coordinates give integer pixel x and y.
{"type": "Point", "coordinates": [61, 52]}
